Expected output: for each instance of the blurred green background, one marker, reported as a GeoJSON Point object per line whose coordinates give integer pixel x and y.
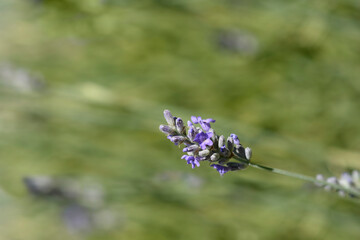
{"type": "Point", "coordinates": [83, 84]}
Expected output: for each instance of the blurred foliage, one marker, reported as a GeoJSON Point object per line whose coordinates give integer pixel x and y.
{"type": "Point", "coordinates": [83, 84]}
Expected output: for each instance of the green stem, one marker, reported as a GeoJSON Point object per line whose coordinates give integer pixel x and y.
{"type": "Point", "coordinates": [339, 187]}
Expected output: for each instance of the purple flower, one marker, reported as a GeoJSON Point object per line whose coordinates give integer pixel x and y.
{"type": "Point", "coordinates": [223, 149]}
{"type": "Point", "coordinates": [191, 160]}
{"type": "Point", "coordinates": [204, 139]}
{"type": "Point", "coordinates": [236, 139]}
{"type": "Point", "coordinates": [221, 169]}
{"type": "Point", "coordinates": [204, 123]}
{"type": "Point", "coordinates": [195, 119]}
{"type": "Point", "coordinates": [189, 123]}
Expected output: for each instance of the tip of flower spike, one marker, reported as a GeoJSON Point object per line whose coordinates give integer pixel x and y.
{"type": "Point", "coordinates": [169, 117]}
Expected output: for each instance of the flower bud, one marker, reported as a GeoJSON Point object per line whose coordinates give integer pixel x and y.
{"type": "Point", "coordinates": [223, 160]}
{"type": "Point", "coordinates": [236, 139]}
{"type": "Point", "coordinates": [341, 193]}
{"type": "Point", "coordinates": [356, 178]}
{"type": "Point", "coordinates": [319, 177]}
{"type": "Point", "coordinates": [179, 125]}
{"type": "Point", "coordinates": [191, 148]}
{"type": "Point", "coordinates": [177, 139]}
{"type": "Point", "coordinates": [230, 143]}
{"type": "Point", "coordinates": [166, 129]}
{"type": "Point", "coordinates": [346, 180]}
{"type": "Point", "coordinates": [191, 133]}
{"type": "Point", "coordinates": [204, 153]}
{"type": "Point", "coordinates": [248, 153]}
{"type": "Point", "coordinates": [234, 166]}
{"type": "Point", "coordinates": [331, 180]}
{"type": "Point", "coordinates": [221, 141]}
{"type": "Point", "coordinates": [187, 143]}
{"type": "Point", "coordinates": [215, 157]}
{"type": "Point", "coordinates": [239, 151]}
{"type": "Point", "coordinates": [213, 135]}
{"type": "Point", "coordinates": [169, 118]}
{"type": "Point", "coordinates": [216, 143]}
{"type": "Point", "coordinates": [224, 152]}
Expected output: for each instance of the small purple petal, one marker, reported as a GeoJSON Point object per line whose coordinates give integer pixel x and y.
{"type": "Point", "coordinates": [193, 161]}
{"type": "Point", "coordinates": [194, 119]}
{"type": "Point", "coordinates": [209, 120]}
{"type": "Point", "coordinates": [189, 123]}
{"type": "Point", "coordinates": [221, 169]}
{"type": "Point", "coordinates": [236, 139]}
{"type": "Point", "coordinates": [206, 126]}
{"type": "Point", "coordinates": [222, 149]}
{"type": "Point", "coordinates": [197, 163]}
{"type": "Point", "coordinates": [347, 177]}
{"type": "Point", "coordinates": [205, 143]}
{"type": "Point", "coordinates": [200, 137]}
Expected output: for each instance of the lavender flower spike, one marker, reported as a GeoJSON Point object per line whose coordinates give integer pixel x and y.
{"type": "Point", "coordinates": [345, 185]}
{"type": "Point", "coordinates": [202, 144]}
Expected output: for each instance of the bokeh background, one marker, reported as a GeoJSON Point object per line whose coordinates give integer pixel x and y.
{"type": "Point", "coordinates": [83, 84]}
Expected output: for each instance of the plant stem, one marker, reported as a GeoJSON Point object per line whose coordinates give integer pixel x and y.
{"type": "Point", "coordinates": [338, 187]}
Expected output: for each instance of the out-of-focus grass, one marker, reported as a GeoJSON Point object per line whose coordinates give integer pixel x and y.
{"type": "Point", "coordinates": [287, 83]}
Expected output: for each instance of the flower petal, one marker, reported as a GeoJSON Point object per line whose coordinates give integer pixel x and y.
{"type": "Point", "coordinates": [194, 119]}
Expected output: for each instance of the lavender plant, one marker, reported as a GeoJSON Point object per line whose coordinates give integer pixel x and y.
{"type": "Point", "coordinates": [202, 144]}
